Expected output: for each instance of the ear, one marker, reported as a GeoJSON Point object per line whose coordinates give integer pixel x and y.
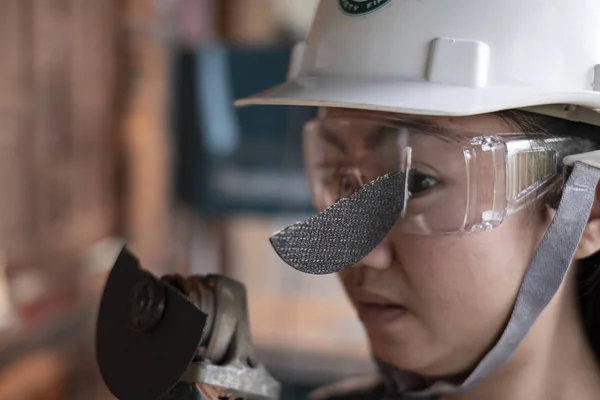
{"type": "Point", "coordinates": [590, 241]}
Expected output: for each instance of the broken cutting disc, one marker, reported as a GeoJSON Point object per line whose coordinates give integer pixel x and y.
{"type": "Point", "coordinates": [147, 332]}
{"type": "Point", "coordinates": [346, 232]}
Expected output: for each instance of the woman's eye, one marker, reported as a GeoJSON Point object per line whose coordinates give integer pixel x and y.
{"type": "Point", "coordinates": [419, 183]}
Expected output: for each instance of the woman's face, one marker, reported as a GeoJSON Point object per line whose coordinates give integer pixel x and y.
{"type": "Point", "coordinates": [434, 305]}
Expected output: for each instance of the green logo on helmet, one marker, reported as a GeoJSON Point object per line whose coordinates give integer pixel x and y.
{"type": "Point", "coordinates": [361, 7]}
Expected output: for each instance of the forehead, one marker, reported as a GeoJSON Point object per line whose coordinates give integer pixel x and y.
{"type": "Point", "coordinates": [484, 123]}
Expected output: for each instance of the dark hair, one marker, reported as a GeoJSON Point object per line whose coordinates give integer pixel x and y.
{"type": "Point", "coordinates": [588, 270]}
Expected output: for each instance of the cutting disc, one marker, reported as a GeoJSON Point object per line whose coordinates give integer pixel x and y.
{"type": "Point", "coordinates": [347, 231]}
{"type": "Point", "coordinates": [142, 355]}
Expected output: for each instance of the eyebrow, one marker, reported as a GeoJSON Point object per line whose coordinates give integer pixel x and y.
{"type": "Point", "coordinates": [334, 140]}
{"type": "Point", "coordinates": [420, 122]}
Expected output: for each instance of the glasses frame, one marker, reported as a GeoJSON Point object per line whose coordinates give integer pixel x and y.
{"type": "Point", "coordinates": [500, 181]}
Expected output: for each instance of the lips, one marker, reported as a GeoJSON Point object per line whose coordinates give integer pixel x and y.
{"type": "Point", "coordinates": [375, 309]}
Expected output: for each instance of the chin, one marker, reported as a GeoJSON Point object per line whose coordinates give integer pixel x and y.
{"type": "Point", "coordinates": [403, 353]}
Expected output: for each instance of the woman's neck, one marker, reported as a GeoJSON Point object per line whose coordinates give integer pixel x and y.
{"type": "Point", "coordinates": [555, 361]}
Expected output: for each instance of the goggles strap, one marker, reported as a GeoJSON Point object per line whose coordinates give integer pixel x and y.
{"type": "Point", "coordinates": [542, 280]}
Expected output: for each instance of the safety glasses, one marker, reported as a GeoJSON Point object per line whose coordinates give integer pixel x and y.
{"type": "Point", "coordinates": [457, 181]}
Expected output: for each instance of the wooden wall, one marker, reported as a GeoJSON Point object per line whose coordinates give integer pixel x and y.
{"type": "Point", "coordinates": [147, 186]}
{"type": "Point", "coordinates": [57, 127]}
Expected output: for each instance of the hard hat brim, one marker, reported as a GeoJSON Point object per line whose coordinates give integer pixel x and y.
{"type": "Point", "coordinates": [411, 97]}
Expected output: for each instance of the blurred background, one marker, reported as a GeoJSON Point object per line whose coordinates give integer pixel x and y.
{"type": "Point", "coordinates": [117, 125]}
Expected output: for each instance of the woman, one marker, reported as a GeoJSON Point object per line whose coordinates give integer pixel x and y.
{"type": "Point", "coordinates": [475, 108]}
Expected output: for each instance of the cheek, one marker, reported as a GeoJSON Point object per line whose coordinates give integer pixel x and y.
{"type": "Point", "coordinates": [348, 279]}
{"type": "Point", "coordinates": [469, 280]}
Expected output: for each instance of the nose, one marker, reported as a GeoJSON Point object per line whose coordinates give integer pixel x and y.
{"type": "Point", "coordinates": [381, 256]}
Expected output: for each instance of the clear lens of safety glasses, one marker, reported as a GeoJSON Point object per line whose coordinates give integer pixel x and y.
{"type": "Point", "coordinates": [458, 182]}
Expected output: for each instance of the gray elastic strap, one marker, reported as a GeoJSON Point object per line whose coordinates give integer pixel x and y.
{"type": "Point", "coordinates": [544, 276]}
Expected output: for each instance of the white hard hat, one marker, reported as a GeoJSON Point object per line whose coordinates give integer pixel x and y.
{"type": "Point", "coordinates": [451, 57]}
